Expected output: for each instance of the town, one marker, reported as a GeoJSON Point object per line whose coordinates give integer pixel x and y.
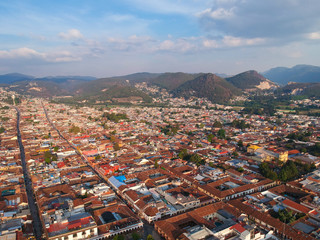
{"type": "Point", "coordinates": [70, 172]}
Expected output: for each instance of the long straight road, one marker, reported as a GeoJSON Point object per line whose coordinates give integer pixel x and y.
{"type": "Point", "coordinates": [37, 224]}
{"type": "Point", "coordinates": [147, 227]}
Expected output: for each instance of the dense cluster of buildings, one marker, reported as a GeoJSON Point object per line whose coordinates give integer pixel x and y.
{"type": "Point", "coordinates": [95, 178]}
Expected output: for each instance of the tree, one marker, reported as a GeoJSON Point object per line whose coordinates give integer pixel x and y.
{"type": "Point", "coordinates": [2, 129]}
{"type": "Point", "coordinates": [118, 237]}
{"type": "Point", "coordinates": [210, 137]}
{"type": "Point", "coordinates": [235, 154]}
{"type": "Point", "coordinates": [135, 236]}
{"type": "Point", "coordinates": [116, 146]}
{"type": "Point", "coordinates": [240, 169]}
{"type": "Point", "coordinates": [222, 133]}
{"type": "Point", "coordinates": [183, 153]}
{"type": "Point", "coordinates": [55, 149]}
{"type": "Point", "coordinates": [149, 237]}
{"type": "Point", "coordinates": [156, 165]}
{"type": "Point", "coordinates": [217, 124]}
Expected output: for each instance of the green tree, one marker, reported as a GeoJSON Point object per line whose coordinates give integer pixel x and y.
{"type": "Point", "coordinates": [118, 237]}
{"type": "Point", "coordinates": [55, 149]}
{"type": "Point", "coordinates": [2, 129]}
{"type": "Point", "coordinates": [217, 124]}
{"type": "Point", "coordinates": [210, 137]}
{"type": "Point", "coordinates": [156, 165]}
{"type": "Point", "coordinates": [240, 169]}
{"type": "Point", "coordinates": [135, 236]}
{"type": "Point", "coordinates": [149, 237]}
{"type": "Point", "coordinates": [116, 146]}
{"type": "Point", "coordinates": [235, 154]}
{"type": "Point", "coordinates": [183, 153]}
{"type": "Point", "coordinates": [222, 133]}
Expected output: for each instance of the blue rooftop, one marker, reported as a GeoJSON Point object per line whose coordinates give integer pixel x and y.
{"type": "Point", "coordinates": [121, 178]}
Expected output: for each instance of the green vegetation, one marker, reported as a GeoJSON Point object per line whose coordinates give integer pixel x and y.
{"type": "Point", "coordinates": [4, 119]}
{"type": "Point", "coordinates": [135, 236]}
{"type": "Point", "coordinates": [221, 133]}
{"type": "Point", "coordinates": [74, 129]}
{"type": "Point", "coordinates": [2, 129]}
{"type": "Point", "coordinates": [246, 80]}
{"type": "Point", "coordinates": [260, 110]}
{"type": "Point", "coordinates": [300, 136]}
{"type": "Point", "coordinates": [115, 117]}
{"type": "Point", "coordinates": [287, 216]}
{"type": "Point", "coordinates": [287, 172]}
{"type": "Point", "coordinates": [240, 169]}
{"type": "Point", "coordinates": [195, 158]}
{"type": "Point", "coordinates": [208, 86]}
{"type": "Point", "coordinates": [314, 150]}
{"type": "Point", "coordinates": [116, 146]}
{"type": "Point", "coordinates": [171, 81]}
{"type": "Point", "coordinates": [217, 124]}
{"type": "Point", "coordinates": [156, 164]}
{"type": "Point", "coordinates": [149, 237]}
{"type": "Point", "coordinates": [210, 137]}
{"type": "Point", "coordinates": [118, 237]}
{"type": "Point", "coordinates": [55, 149]}
{"type": "Point", "coordinates": [170, 130]}
{"type": "Point", "coordinates": [240, 124]}
{"type": "Point", "coordinates": [49, 157]}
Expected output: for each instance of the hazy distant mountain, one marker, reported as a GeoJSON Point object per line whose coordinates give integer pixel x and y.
{"type": "Point", "coordinates": [14, 77]}
{"type": "Point", "coordinates": [62, 79]}
{"type": "Point", "coordinates": [298, 73]}
{"type": "Point", "coordinates": [251, 80]}
{"type": "Point", "coordinates": [18, 77]}
{"type": "Point", "coordinates": [209, 86]}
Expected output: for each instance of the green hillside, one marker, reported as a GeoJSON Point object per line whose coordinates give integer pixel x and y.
{"type": "Point", "coordinates": [209, 86]}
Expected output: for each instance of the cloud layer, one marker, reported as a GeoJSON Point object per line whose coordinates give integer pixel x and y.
{"type": "Point", "coordinates": [106, 38]}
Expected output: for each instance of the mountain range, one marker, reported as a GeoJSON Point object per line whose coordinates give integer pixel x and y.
{"type": "Point", "coordinates": [298, 73]}
{"type": "Point", "coordinates": [208, 85]}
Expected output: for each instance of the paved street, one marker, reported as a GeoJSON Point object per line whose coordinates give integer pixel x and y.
{"type": "Point", "coordinates": [37, 225]}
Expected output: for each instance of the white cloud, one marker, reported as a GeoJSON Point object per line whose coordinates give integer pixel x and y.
{"type": "Point", "coordinates": [72, 34]}
{"type": "Point", "coordinates": [286, 21]}
{"type": "Point", "coordinates": [21, 53]}
{"type": "Point", "coordinates": [231, 41]}
{"type": "Point", "coordinates": [219, 13]}
{"type": "Point", "coordinates": [208, 43]}
{"type": "Point", "coordinates": [314, 35]}
{"type": "Point", "coordinates": [31, 54]}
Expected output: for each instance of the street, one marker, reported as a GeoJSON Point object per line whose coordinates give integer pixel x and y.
{"type": "Point", "coordinates": [37, 225]}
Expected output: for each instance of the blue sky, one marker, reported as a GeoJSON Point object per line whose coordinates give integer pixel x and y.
{"type": "Point", "coordinates": [114, 37]}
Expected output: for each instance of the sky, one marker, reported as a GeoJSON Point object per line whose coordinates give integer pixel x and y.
{"type": "Point", "coordinates": [104, 38]}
